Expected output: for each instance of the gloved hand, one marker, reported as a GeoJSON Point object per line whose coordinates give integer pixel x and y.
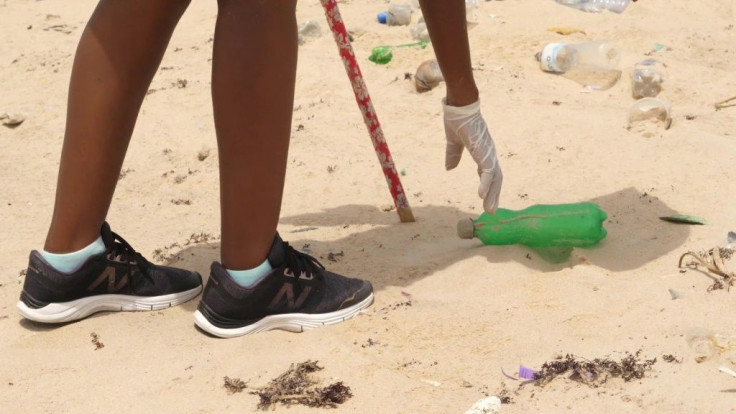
{"type": "Point", "coordinates": [465, 128]}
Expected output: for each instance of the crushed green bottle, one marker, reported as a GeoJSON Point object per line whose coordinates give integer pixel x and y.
{"type": "Point", "coordinates": [560, 225]}
{"type": "Point", "coordinates": [383, 54]}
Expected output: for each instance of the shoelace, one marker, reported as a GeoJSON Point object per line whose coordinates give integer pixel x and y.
{"type": "Point", "coordinates": [300, 262]}
{"type": "Point", "coordinates": [122, 251]}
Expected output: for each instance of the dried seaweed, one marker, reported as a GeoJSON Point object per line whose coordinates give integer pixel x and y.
{"type": "Point", "coordinates": [712, 260]}
{"type": "Point", "coordinates": [596, 372]}
{"type": "Point", "coordinates": [234, 385]}
{"type": "Point", "coordinates": [296, 386]}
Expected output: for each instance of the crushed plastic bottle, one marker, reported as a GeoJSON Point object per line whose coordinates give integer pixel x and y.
{"type": "Point", "coordinates": [419, 30]}
{"type": "Point", "coordinates": [591, 64]}
{"type": "Point", "coordinates": [596, 6]}
{"type": "Point", "coordinates": [398, 14]}
{"type": "Point", "coordinates": [470, 8]}
{"type": "Point", "coordinates": [646, 80]}
{"type": "Point", "coordinates": [309, 29]}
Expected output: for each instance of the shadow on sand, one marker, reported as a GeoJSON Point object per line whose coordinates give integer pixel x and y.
{"type": "Point", "coordinates": [400, 254]}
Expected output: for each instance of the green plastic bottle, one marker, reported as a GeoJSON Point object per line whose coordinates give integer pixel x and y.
{"type": "Point", "coordinates": [383, 54]}
{"type": "Point", "coordinates": [560, 225]}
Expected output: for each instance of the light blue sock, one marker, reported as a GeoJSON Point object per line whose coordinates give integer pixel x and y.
{"type": "Point", "coordinates": [69, 262]}
{"type": "Point", "coordinates": [248, 278]}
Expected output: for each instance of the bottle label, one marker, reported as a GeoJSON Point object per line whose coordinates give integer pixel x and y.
{"type": "Point", "coordinates": [548, 60]}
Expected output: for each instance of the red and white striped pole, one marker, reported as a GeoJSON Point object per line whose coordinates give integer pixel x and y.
{"type": "Point", "coordinates": [334, 19]}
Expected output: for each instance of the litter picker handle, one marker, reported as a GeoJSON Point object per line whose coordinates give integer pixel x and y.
{"type": "Point", "coordinates": [337, 27]}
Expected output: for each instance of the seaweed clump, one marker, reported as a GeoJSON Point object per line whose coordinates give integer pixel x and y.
{"type": "Point", "coordinates": [296, 386]}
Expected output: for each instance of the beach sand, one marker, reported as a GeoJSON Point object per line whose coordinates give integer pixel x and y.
{"type": "Point", "coordinates": [474, 310]}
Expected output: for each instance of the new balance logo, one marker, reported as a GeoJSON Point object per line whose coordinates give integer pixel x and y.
{"type": "Point", "coordinates": [287, 290]}
{"type": "Point", "coordinates": [109, 275]}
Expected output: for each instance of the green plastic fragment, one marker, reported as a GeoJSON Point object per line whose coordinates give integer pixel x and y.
{"type": "Point", "coordinates": [684, 219]}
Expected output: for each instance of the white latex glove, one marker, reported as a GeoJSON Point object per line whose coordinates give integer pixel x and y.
{"type": "Point", "coordinates": [465, 128]}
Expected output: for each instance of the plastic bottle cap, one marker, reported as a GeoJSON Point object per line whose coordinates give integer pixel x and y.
{"type": "Point", "coordinates": [548, 60]}
{"type": "Point", "coordinates": [465, 228]}
{"type": "Point", "coordinates": [382, 17]}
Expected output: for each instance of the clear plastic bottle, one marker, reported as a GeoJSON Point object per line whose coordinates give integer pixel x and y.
{"type": "Point", "coordinates": [563, 57]}
{"type": "Point", "coordinates": [398, 14]}
{"type": "Point", "coordinates": [419, 30]}
{"type": "Point", "coordinates": [593, 64]}
{"type": "Point", "coordinates": [309, 29]}
{"type": "Point", "coordinates": [470, 7]}
{"type": "Point", "coordinates": [597, 6]}
{"type": "Point", "coordinates": [646, 79]}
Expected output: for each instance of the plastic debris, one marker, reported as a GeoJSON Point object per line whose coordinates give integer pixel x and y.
{"type": "Point", "coordinates": [428, 76]}
{"type": "Point", "coordinates": [488, 405]}
{"type": "Point", "coordinates": [12, 120]}
{"type": "Point", "coordinates": [675, 294]}
{"type": "Point", "coordinates": [727, 370]}
{"type": "Point", "coordinates": [309, 30]}
{"type": "Point", "coordinates": [527, 373]}
{"type": "Point", "coordinates": [684, 219]}
{"type": "Point", "coordinates": [565, 31]}
{"type": "Point", "coordinates": [651, 109]}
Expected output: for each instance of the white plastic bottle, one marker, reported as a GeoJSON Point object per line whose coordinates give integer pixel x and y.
{"type": "Point", "coordinates": [596, 6]}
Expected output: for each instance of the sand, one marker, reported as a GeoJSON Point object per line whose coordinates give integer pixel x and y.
{"type": "Point", "coordinates": [474, 310]}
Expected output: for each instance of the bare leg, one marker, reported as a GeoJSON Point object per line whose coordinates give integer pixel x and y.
{"type": "Point", "coordinates": [446, 22]}
{"type": "Point", "coordinates": [253, 76]}
{"type": "Point", "coordinates": [116, 59]}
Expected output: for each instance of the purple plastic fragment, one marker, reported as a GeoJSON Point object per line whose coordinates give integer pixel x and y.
{"type": "Point", "coordinates": [527, 373]}
{"type": "Point", "coordinates": [508, 376]}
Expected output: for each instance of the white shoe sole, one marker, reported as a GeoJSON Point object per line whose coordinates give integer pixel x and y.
{"type": "Point", "coordinates": [81, 308]}
{"type": "Point", "coordinates": [293, 322]}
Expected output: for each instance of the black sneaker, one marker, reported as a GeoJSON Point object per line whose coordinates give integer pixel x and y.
{"type": "Point", "coordinates": [118, 280]}
{"type": "Point", "coordinates": [298, 294]}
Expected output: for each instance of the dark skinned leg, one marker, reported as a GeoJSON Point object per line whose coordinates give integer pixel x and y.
{"type": "Point", "coordinates": [447, 26]}
{"type": "Point", "coordinates": [116, 59]}
{"type": "Point", "coordinates": [253, 76]}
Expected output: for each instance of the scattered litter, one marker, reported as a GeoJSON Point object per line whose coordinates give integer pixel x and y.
{"type": "Point", "coordinates": [427, 77]}
{"type": "Point", "coordinates": [730, 238]}
{"type": "Point", "coordinates": [432, 383]}
{"type": "Point", "coordinates": [646, 81]}
{"type": "Point", "coordinates": [12, 120]}
{"type": "Point", "coordinates": [508, 376]}
{"type": "Point", "coordinates": [488, 405]}
{"type": "Point", "coordinates": [419, 30]}
{"type": "Point", "coordinates": [702, 343]}
{"type": "Point", "coordinates": [234, 385]}
{"type": "Point", "coordinates": [296, 386]}
{"type": "Point", "coordinates": [596, 372]}
{"type": "Point", "coordinates": [527, 373]}
{"type": "Point", "coordinates": [727, 370]}
{"type": "Point", "coordinates": [675, 294]}
{"type": "Point", "coordinates": [309, 30]}
{"type": "Point", "coordinates": [684, 219]}
{"type": "Point", "coordinates": [565, 31]}
{"type": "Point", "coordinates": [304, 229]}
{"type": "Point", "coordinates": [650, 109]}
